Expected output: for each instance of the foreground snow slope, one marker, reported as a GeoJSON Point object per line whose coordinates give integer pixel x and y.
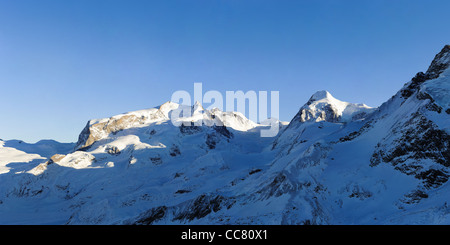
{"type": "Point", "coordinates": [334, 163]}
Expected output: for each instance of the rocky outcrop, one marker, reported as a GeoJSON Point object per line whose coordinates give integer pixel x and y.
{"type": "Point", "coordinates": [197, 208]}
{"type": "Point", "coordinates": [328, 114]}
{"type": "Point", "coordinates": [112, 150]}
{"type": "Point", "coordinates": [56, 158]}
{"type": "Point", "coordinates": [96, 131]}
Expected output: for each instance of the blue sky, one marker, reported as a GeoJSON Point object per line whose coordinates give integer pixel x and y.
{"type": "Point", "coordinates": [65, 62]}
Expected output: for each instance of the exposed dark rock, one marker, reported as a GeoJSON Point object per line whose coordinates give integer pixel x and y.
{"type": "Point", "coordinates": [420, 140]}
{"type": "Point", "coordinates": [328, 114]}
{"type": "Point", "coordinates": [174, 151]}
{"type": "Point", "coordinates": [350, 136]}
{"type": "Point", "coordinates": [414, 85]}
{"type": "Point", "coordinates": [25, 190]}
{"type": "Point", "coordinates": [414, 197]}
{"type": "Point", "coordinates": [197, 208]}
{"type": "Point", "coordinates": [189, 130]}
{"type": "Point", "coordinates": [182, 191]}
{"type": "Point", "coordinates": [223, 131]}
{"type": "Point", "coordinates": [211, 141]}
{"type": "Point", "coordinates": [360, 193]}
{"type": "Point", "coordinates": [331, 114]}
{"type": "Point", "coordinates": [432, 106]}
{"type": "Point", "coordinates": [152, 215]}
{"type": "Point", "coordinates": [424, 96]}
{"type": "Point", "coordinates": [368, 125]}
{"type": "Point", "coordinates": [156, 160]}
{"type": "Point", "coordinates": [433, 178]}
{"type": "Point", "coordinates": [306, 222]}
{"type": "Point", "coordinates": [112, 150]}
{"type": "Point", "coordinates": [255, 171]}
{"type": "Point", "coordinates": [200, 207]}
{"type": "Point", "coordinates": [280, 185]}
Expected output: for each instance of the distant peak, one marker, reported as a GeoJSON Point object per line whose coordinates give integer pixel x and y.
{"type": "Point", "coordinates": [168, 106]}
{"type": "Point", "coordinates": [168, 103]}
{"type": "Point", "coordinates": [197, 104]}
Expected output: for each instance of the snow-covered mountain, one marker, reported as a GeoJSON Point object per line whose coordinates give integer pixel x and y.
{"type": "Point", "coordinates": [96, 130]}
{"type": "Point", "coordinates": [322, 106]}
{"type": "Point", "coordinates": [334, 163]}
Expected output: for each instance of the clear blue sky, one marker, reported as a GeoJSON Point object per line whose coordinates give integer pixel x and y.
{"type": "Point", "coordinates": [65, 62]}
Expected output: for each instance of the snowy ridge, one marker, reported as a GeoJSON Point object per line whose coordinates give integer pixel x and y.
{"type": "Point", "coordinates": [10, 155]}
{"type": "Point", "coordinates": [101, 128]}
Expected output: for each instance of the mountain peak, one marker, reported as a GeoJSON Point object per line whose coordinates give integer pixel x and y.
{"type": "Point", "coordinates": [197, 105]}
{"type": "Point", "coordinates": [440, 63]}
{"type": "Point", "coordinates": [320, 95]}
{"type": "Point", "coordinates": [322, 106]}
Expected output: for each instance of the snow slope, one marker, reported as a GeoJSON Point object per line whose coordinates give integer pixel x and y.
{"type": "Point", "coordinates": [18, 155]}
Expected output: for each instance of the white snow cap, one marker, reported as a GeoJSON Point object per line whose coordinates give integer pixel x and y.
{"type": "Point", "coordinates": [320, 95]}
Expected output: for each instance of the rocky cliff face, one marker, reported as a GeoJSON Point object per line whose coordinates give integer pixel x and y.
{"type": "Point", "coordinates": [98, 129]}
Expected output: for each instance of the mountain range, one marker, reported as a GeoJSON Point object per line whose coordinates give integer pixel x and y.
{"type": "Point", "coordinates": [335, 162]}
